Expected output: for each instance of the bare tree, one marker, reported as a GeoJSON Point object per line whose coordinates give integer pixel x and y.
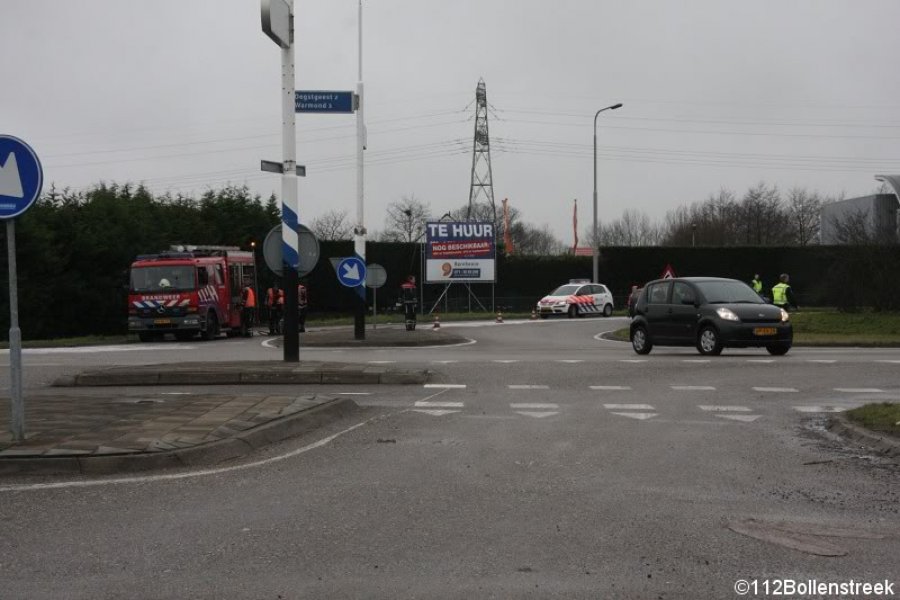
{"type": "Point", "coordinates": [405, 220]}
{"type": "Point", "coordinates": [803, 209]}
{"type": "Point", "coordinates": [332, 225]}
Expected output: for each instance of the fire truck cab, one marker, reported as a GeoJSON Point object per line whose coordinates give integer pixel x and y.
{"type": "Point", "coordinates": [188, 290]}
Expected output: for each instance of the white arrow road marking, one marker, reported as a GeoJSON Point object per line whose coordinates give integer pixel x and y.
{"type": "Point", "coordinates": [533, 405]}
{"type": "Point", "coordinates": [611, 388]}
{"type": "Point", "coordinates": [426, 404]}
{"type": "Point", "coordinates": [445, 386]}
{"type": "Point", "coordinates": [528, 387]}
{"type": "Point", "coordinates": [859, 390]}
{"type": "Point", "coordinates": [351, 271]}
{"type": "Point", "coordinates": [693, 388]}
{"type": "Point", "coordinates": [723, 408]}
{"type": "Point", "coordinates": [628, 406]}
{"type": "Point", "coordinates": [435, 412]}
{"type": "Point", "coordinates": [775, 389]}
{"type": "Point", "coordinates": [821, 409]}
{"type": "Point", "coordinates": [536, 415]}
{"type": "Point", "coordinates": [636, 415]}
{"type": "Point", "coordinates": [742, 418]}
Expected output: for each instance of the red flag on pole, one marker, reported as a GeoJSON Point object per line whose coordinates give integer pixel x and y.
{"type": "Point", "coordinates": [575, 226]}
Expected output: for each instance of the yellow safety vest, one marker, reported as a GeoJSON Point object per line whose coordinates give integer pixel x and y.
{"type": "Point", "coordinates": [779, 294]}
{"type": "Point", "coordinates": [757, 285]}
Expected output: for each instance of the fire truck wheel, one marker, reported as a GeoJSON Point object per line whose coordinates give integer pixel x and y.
{"type": "Point", "coordinates": [212, 327]}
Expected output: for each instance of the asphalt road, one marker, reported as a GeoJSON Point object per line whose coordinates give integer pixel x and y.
{"type": "Point", "coordinates": [551, 464]}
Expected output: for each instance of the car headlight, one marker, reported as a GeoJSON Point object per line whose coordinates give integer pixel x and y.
{"type": "Point", "coordinates": [785, 317]}
{"type": "Point", "coordinates": [560, 303]}
{"type": "Point", "coordinates": [726, 314]}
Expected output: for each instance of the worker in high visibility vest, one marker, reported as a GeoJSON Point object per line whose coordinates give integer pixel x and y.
{"type": "Point", "coordinates": [275, 305]}
{"type": "Point", "coordinates": [782, 294]}
{"type": "Point", "coordinates": [248, 309]}
{"type": "Point", "coordinates": [756, 284]}
{"type": "Point", "coordinates": [302, 307]}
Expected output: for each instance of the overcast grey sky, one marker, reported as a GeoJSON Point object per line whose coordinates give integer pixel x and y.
{"type": "Point", "coordinates": [183, 95]}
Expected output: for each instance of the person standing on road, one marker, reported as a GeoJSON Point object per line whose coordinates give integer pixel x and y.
{"type": "Point", "coordinates": [248, 308]}
{"type": "Point", "coordinates": [302, 307]}
{"type": "Point", "coordinates": [783, 294]}
{"type": "Point", "coordinates": [409, 297]}
{"type": "Point", "coordinates": [757, 284]}
{"type": "Point", "coordinates": [275, 305]}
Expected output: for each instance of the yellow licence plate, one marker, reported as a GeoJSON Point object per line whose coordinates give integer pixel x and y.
{"type": "Point", "coordinates": [162, 321]}
{"type": "Point", "coordinates": [764, 331]}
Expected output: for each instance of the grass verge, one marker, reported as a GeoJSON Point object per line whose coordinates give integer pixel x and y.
{"type": "Point", "coordinates": [877, 417]}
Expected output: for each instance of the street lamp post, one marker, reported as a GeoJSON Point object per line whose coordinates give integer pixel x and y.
{"type": "Point", "coordinates": [596, 242]}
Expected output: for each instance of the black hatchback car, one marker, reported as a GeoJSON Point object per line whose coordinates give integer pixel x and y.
{"type": "Point", "coordinates": [709, 313]}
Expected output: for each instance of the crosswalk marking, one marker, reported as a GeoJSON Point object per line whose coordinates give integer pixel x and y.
{"type": "Point", "coordinates": [693, 388]}
{"type": "Point", "coordinates": [628, 406]}
{"type": "Point", "coordinates": [529, 387]}
{"type": "Point", "coordinates": [859, 390]}
{"type": "Point", "coordinates": [724, 408]}
{"type": "Point", "coordinates": [774, 389]}
{"type": "Point", "coordinates": [611, 388]}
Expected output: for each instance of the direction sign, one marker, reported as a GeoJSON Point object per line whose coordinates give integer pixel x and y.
{"type": "Point", "coordinates": [21, 177]}
{"type": "Point", "coordinates": [320, 101]}
{"type": "Point", "coordinates": [351, 272]}
{"type": "Point", "coordinates": [308, 253]}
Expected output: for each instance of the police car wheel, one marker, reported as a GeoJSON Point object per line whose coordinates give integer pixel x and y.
{"type": "Point", "coordinates": [607, 310]}
{"type": "Point", "coordinates": [573, 311]}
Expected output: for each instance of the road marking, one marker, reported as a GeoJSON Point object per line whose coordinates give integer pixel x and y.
{"type": "Point", "coordinates": [611, 388]}
{"type": "Point", "coordinates": [823, 361]}
{"type": "Point", "coordinates": [354, 393]}
{"type": "Point", "coordinates": [536, 415]}
{"type": "Point", "coordinates": [859, 390]}
{"type": "Point", "coordinates": [426, 404]}
{"type": "Point", "coordinates": [765, 361]}
{"type": "Point", "coordinates": [723, 408]}
{"type": "Point", "coordinates": [505, 361]}
{"type": "Point", "coordinates": [175, 476]}
{"type": "Point", "coordinates": [176, 393]}
{"type": "Point", "coordinates": [775, 389]}
{"type": "Point", "coordinates": [381, 362]}
{"type": "Point", "coordinates": [636, 415]}
{"type": "Point", "coordinates": [444, 362]}
{"type": "Point", "coordinates": [533, 405]}
{"type": "Point", "coordinates": [741, 418]}
{"type": "Point", "coordinates": [821, 409]}
{"type": "Point", "coordinates": [435, 412]}
{"type": "Point", "coordinates": [696, 360]}
{"type": "Point", "coordinates": [445, 386]}
{"type": "Point", "coordinates": [528, 387]}
{"type": "Point", "coordinates": [569, 361]}
{"type": "Point", "coordinates": [893, 362]}
{"type": "Point", "coordinates": [95, 349]}
{"type": "Point", "coordinates": [628, 406]}
{"type": "Point", "coordinates": [633, 360]}
{"type": "Point", "coordinates": [693, 388]}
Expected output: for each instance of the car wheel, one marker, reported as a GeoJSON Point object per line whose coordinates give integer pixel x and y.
{"type": "Point", "coordinates": [573, 311]}
{"type": "Point", "coordinates": [212, 327]}
{"type": "Point", "coordinates": [709, 342]}
{"type": "Point", "coordinates": [607, 310]}
{"type": "Point", "coordinates": [778, 350]}
{"type": "Point", "coordinates": [640, 341]}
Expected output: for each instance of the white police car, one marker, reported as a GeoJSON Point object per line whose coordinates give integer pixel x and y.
{"type": "Point", "coordinates": [577, 298]}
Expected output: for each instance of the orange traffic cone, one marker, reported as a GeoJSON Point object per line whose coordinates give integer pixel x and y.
{"type": "Point", "coordinates": [499, 317]}
{"type": "Point", "coordinates": [437, 323]}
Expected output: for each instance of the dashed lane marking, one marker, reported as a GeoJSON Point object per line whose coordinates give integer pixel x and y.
{"type": "Point", "coordinates": [536, 414]}
{"type": "Point", "coordinates": [698, 361]}
{"type": "Point", "coordinates": [892, 362]}
{"type": "Point", "coordinates": [505, 361]}
{"type": "Point", "coordinates": [633, 360]}
{"type": "Point", "coordinates": [528, 387]}
{"type": "Point", "coordinates": [723, 408]}
{"type": "Point", "coordinates": [821, 409]}
{"type": "Point", "coordinates": [444, 386]}
{"type": "Point", "coordinates": [764, 361]}
{"type": "Point", "coordinates": [741, 418]}
{"type": "Point", "coordinates": [353, 393]}
{"type": "Point", "coordinates": [693, 388]}
{"type": "Point", "coordinates": [381, 362]}
{"type": "Point", "coordinates": [775, 389]}
{"type": "Point", "coordinates": [611, 388]}
{"type": "Point", "coordinates": [569, 361]}
{"type": "Point", "coordinates": [636, 415]}
{"type": "Point", "coordinates": [823, 361]}
{"type": "Point", "coordinates": [444, 362]}
{"type": "Point", "coordinates": [427, 404]}
{"type": "Point", "coordinates": [859, 390]}
{"type": "Point", "coordinates": [533, 405]}
{"type": "Point", "coordinates": [628, 406]}
{"type": "Point", "coordinates": [435, 412]}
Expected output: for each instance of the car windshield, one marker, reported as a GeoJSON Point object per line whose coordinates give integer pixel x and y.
{"type": "Point", "coordinates": [728, 292]}
{"type": "Point", "coordinates": [162, 279]}
{"type": "Point", "coordinates": [565, 290]}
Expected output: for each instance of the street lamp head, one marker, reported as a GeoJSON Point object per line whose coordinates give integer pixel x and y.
{"type": "Point", "coordinates": [615, 106]}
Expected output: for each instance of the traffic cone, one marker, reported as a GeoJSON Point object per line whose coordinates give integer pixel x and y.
{"type": "Point", "coordinates": [499, 317]}
{"type": "Point", "coordinates": [534, 315]}
{"type": "Point", "coordinates": [437, 323]}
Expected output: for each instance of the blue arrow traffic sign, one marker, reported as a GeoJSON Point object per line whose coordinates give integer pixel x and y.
{"type": "Point", "coordinates": [21, 177]}
{"type": "Point", "coordinates": [351, 272]}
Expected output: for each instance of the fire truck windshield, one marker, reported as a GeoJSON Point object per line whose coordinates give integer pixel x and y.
{"type": "Point", "coordinates": [162, 279]}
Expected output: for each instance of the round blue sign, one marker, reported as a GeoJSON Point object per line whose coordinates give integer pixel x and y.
{"type": "Point", "coordinates": [351, 272]}
{"type": "Point", "coordinates": [21, 177]}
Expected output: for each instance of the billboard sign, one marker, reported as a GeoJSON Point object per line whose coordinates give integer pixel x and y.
{"type": "Point", "coordinates": [460, 252]}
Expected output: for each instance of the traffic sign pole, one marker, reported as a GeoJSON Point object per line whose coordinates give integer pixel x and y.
{"type": "Point", "coordinates": [359, 238]}
{"type": "Point", "coordinates": [15, 340]}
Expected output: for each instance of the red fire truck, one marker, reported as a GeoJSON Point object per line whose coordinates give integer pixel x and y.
{"type": "Point", "coordinates": [188, 290]}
